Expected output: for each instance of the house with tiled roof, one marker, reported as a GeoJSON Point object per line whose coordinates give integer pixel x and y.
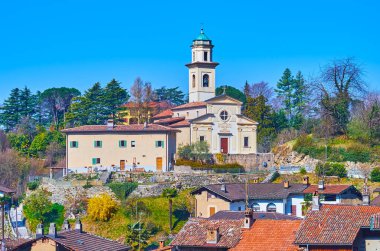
{"type": "Point", "coordinates": [229, 230]}
{"type": "Point", "coordinates": [66, 240]}
{"type": "Point", "coordinates": [284, 198]}
{"type": "Point", "coordinates": [340, 227]}
{"type": "Point", "coordinates": [150, 147]}
{"type": "Point", "coordinates": [335, 193]}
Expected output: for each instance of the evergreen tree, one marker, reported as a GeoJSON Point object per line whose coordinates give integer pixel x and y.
{"type": "Point", "coordinates": [93, 103]}
{"type": "Point", "coordinates": [232, 92]}
{"type": "Point", "coordinates": [299, 100]}
{"type": "Point", "coordinates": [247, 89]}
{"type": "Point", "coordinates": [27, 103]}
{"type": "Point", "coordinates": [10, 112]}
{"type": "Point", "coordinates": [258, 110]}
{"type": "Point", "coordinates": [114, 97]}
{"type": "Point", "coordinates": [172, 95]}
{"type": "Point", "coordinates": [285, 90]}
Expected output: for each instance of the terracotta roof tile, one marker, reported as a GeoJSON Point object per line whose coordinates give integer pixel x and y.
{"type": "Point", "coordinates": [274, 235]}
{"type": "Point", "coordinates": [120, 128]}
{"type": "Point", "coordinates": [190, 105]}
{"type": "Point", "coordinates": [193, 233]}
{"type": "Point", "coordinates": [236, 191]}
{"type": "Point", "coordinates": [164, 114]}
{"type": "Point", "coordinates": [183, 123]}
{"type": "Point", "coordinates": [334, 224]}
{"type": "Point", "coordinates": [168, 121]}
{"type": "Point", "coordinates": [377, 190]}
{"type": "Point", "coordinates": [239, 215]}
{"type": "Point", "coordinates": [6, 190]}
{"type": "Point", "coordinates": [329, 189]}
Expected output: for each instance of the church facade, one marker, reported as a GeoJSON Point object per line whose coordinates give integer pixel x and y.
{"type": "Point", "coordinates": [214, 119]}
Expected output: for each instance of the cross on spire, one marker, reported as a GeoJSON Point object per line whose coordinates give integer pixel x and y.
{"type": "Point", "coordinates": [224, 89]}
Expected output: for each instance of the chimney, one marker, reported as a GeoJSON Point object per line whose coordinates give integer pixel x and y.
{"type": "Point", "coordinates": [366, 197]}
{"type": "Point", "coordinates": [248, 218]}
{"type": "Point", "coordinates": [66, 225]}
{"type": "Point", "coordinates": [315, 202]}
{"type": "Point", "coordinates": [223, 188]}
{"type": "Point", "coordinates": [212, 235]}
{"type": "Point", "coordinates": [255, 180]}
{"type": "Point", "coordinates": [52, 231]}
{"type": "Point", "coordinates": [321, 185]}
{"type": "Point", "coordinates": [78, 226]}
{"type": "Point", "coordinates": [305, 180]}
{"type": "Point", "coordinates": [110, 124]}
{"type": "Point", "coordinates": [145, 124]}
{"type": "Point", "coordinates": [286, 184]}
{"type": "Point", "coordinates": [40, 230]}
{"type": "Point", "coordinates": [161, 242]}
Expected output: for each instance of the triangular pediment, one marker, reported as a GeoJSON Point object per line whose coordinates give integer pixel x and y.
{"type": "Point", "coordinates": [223, 99]}
{"type": "Point", "coordinates": [204, 119]}
{"type": "Point", "coordinates": [243, 120]}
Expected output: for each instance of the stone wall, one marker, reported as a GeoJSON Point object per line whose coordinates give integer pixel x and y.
{"type": "Point", "coordinates": [251, 162]}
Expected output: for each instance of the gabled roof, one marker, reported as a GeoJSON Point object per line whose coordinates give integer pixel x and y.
{"type": "Point", "coordinates": [120, 128]}
{"type": "Point", "coordinates": [190, 105]}
{"type": "Point", "coordinates": [168, 121]}
{"type": "Point", "coordinates": [202, 117]}
{"type": "Point", "coordinates": [334, 224]}
{"type": "Point", "coordinates": [164, 114]}
{"type": "Point", "coordinates": [222, 97]}
{"type": "Point", "coordinates": [376, 190]}
{"type": "Point", "coordinates": [6, 190]}
{"type": "Point", "coordinates": [274, 235]}
{"type": "Point", "coordinates": [79, 241]}
{"type": "Point", "coordinates": [183, 123]}
{"type": "Point", "coordinates": [239, 215]}
{"type": "Point", "coordinates": [236, 191]}
{"type": "Point", "coordinates": [329, 189]}
{"type": "Point", "coordinates": [193, 233]}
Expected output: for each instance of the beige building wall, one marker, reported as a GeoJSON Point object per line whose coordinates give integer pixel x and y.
{"type": "Point", "coordinates": [205, 202]}
{"type": "Point", "coordinates": [144, 154]}
{"type": "Point", "coordinates": [190, 113]}
{"type": "Point", "coordinates": [183, 137]}
{"type": "Point", "coordinates": [250, 132]}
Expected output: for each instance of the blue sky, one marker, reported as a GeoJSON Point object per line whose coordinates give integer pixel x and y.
{"type": "Point", "coordinates": [76, 43]}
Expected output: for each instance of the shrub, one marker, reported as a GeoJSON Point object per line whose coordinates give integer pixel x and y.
{"type": "Point", "coordinates": [102, 207]}
{"type": "Point", "coordinates": [122, 190]}
{"type": "Point", "coordinates": [303, 170]}
{"type": "Point", "coordinates": [375, 174]}
{"type": "Point", "coordinates": [331, 169]}
{"type": "Point", "coordinates": [185, 152]}
{"type": "Point", "coordinates": [33, 185]}
{"type": "Point", "coordinates": [198, 151]}
{"type": "Point", "coordinates": [357, 153]}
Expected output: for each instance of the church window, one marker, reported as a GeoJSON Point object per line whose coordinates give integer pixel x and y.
{"type": "Point", "coordinates": [193, 56]}
{"type": "Point", "coordinates": [193, 80]}
{"type": "Point", "coordinates": [205, 56]}
{"type": "Point", "coordinates": [224, 115]}
{"type": "Point", "coordinates": [202, 138]}
{"type": "Point", "coordinates": [246, 142]}
{"type": "Point", "coordinates": [205, 80]}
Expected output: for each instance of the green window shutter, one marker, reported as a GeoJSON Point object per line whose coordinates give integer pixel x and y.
{"type": "Point", "coordinates": [101, 143]}
{"type": "Point", "coordinates": [162, 144]}
{"type": "Point", "coordinates": [94, 143]}
{"type": "Point", "coordinates": [125, 143]}
{"type": "Point", "coordinates": [71, 144]}
{"type": "Point", "coordinates": [156, 143]}
{"type": "Point", "coordinates": [94, 161]}
{"type": "Point", "coordinates": [119, 143]}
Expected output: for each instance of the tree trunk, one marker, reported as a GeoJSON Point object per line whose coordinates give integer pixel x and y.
{"type": "Point", "coordinates": [170, 214]}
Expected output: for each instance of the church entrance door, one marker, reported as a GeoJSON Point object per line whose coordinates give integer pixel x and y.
{"type": "Point", "coordinates": [224, 145]}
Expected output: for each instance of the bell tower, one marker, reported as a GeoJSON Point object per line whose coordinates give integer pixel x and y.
{"type": "Point", "coordinates": [201, 69]}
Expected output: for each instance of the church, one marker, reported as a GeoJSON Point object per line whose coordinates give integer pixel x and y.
{"type": "Point", "coordinates": [214, 119]}
{"type": "Point", "coordinates": [152, 147]}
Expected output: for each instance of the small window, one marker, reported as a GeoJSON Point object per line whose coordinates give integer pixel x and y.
{"type": "Point", "coordinates": [271, 207]}
{"type": "Point", "coordinates": [205, 56]}
{"type": "Point", "coordinates": [160, 143]}
{"type": "Point", "coordinates": [202, 138]}
{"type": "Point", "coordinates": [239, 208]}
{"type": "Point", "coordinates": [224, 115]}
{"type": "Point", "coordinates": [330, 197]}
{"type": "Point", "coordinates": [193, 80]}
{"type": "Point", "coordinates": [187, 114]}
{"type": "Point", "coordinates": [74, 144]}
{"type": "Point", "coordinates": [193, 56]}
{"type": "Point", "coordinates": [98, 143]}
{"type": "Point", "coordinates": [246, 142]}
{"type": "Point", "coordinates": [255, 207]}
{"type": "Point", "coordinates": [133, 143]}
{"type": "Point", "coordinates": [95, 161]}
{"type": "Point", "coordinates": [205, 80]}
{"type": "Point", "coordinates": [122, 143]}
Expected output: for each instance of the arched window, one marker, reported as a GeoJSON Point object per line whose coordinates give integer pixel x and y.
{"type": "Point", "coordinates": [193, 81]}
{"type": "Point", "coordinates": [255, 207]}
{"type": "Point", "coordinates": [205, 80]}
{"type": "Point", "coordinates": [271, 207]}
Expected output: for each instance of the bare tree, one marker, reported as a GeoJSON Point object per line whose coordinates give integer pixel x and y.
{"type": "Point", "coordinates": [137, 92]}
{"type": "Point", "coordinates": [261, 88]}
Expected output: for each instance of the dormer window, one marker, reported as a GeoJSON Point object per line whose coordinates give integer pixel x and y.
{"type": "Point", "coordinates": [205, 80]}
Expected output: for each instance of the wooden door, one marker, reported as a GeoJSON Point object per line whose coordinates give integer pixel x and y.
{"type": "Point", "coordinates": [212, 211]}
{"type": "Point", "coordinates": [294, 210]}
{"type": "Point", "coordinates": [122, 165]}
{"type": "Point", "coordinates": [159, 164]}
{"type": "Point", "coordinates": [224, 145]}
